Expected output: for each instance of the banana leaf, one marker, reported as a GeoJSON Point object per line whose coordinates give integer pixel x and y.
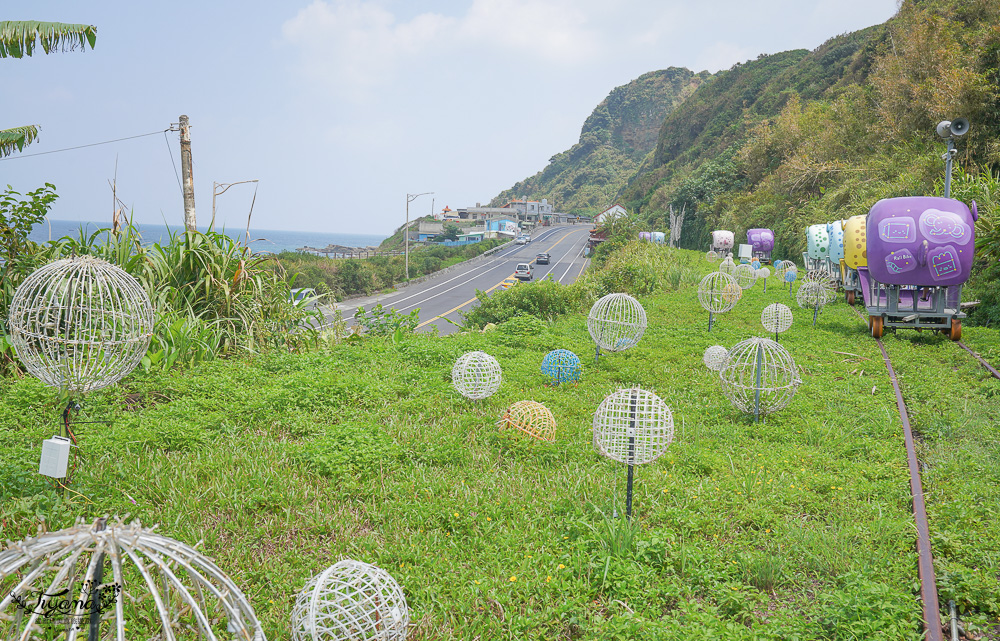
{"type": "Point", "coordinates": [19, 37]}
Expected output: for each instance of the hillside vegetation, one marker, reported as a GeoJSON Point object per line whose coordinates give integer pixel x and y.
{"type": "Point", "coordinates": [615, 138]}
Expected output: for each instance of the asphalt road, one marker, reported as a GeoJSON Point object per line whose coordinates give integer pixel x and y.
{"type": "Point", "coordinates": [445, 296]}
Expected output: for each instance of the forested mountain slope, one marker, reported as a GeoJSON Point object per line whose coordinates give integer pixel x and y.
{"type": "Point", "coordinates": [615, 138]}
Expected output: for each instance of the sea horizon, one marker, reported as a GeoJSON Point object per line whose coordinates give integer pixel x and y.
{"type": "Point", "coordinates": [260, 240]}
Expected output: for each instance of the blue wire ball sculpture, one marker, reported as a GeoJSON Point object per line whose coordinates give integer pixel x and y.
{"type": "Point", "coordinates": [561, 366]}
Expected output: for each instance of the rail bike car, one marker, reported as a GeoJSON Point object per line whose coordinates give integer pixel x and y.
{"type": "Point", "coordinates": [722, 242]}
{"type": "Point", "coordinates": [855, 255]}
{"type": "Point", "coordinates": [920, 252]}
{"type": "Point", "coordinates": [762, 241]}
{"type": "Point", "coordinates": [836, 232]}
{"type": "Point", "coordinates": [817, 252]}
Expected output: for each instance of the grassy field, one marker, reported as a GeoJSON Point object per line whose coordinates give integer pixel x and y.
{"type": "Point", "coordinates": [795, 528]}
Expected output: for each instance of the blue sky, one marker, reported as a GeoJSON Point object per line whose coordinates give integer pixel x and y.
{"type": "Point", "coordinates": [341, 107]}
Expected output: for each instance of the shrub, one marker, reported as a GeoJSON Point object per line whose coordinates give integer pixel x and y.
{"type": "Point", "coordinates": [543, 299]}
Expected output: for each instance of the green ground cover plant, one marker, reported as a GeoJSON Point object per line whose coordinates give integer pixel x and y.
{"type": "Point", "coordinates": [795, 528]}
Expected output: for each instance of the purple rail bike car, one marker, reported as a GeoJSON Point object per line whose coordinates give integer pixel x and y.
{"type": "Point", "coordinates": [920, 251]}
{"type": "Point", "coordinates": [762, 241]}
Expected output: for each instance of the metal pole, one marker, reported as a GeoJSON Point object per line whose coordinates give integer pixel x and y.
{"type": "Point", "coordinates": [95, 593]}
{"type": "Point", "coordinates": [947, 167]}
{"type": "Point", "coordinates": [765, 285]}
{"type": "Point", "coordinates": [711, 316]}
{"type": "Point", "coordinates": [187, 171]}
{"type": "Point", "coordinates": [815, 313]}
{"type": "Point", "coordinates": [757, 386]}
{"type": "Point", "coordinates": [406, 238]}
{"type": "Point", "coordinates": [631, 456]}
{"type": "Point", "coordinates": [597, 355]}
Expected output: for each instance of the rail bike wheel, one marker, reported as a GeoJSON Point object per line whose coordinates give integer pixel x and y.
{"type": "Point", "coordinates": [850, 297]}
{"type": "Point", "coordinates": [878, 326]}
{"type": "Point", "coordinates": [955, 333]}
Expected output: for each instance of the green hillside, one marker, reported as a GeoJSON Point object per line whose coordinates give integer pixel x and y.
{"type": "Point", "coordinates": [615, 138]}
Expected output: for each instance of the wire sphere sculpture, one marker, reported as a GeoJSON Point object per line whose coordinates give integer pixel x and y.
{"type": "Point", "coordinates": [791, 274]}
{"type": "Point", "coordinates": [776, 318]}
{"type": "Point", "coordinates": [782, 267]}
{"type": "Point", "coordinates": [168, 586]}
{"type": "Point", "coordinates": [718, 292]}
{"type": "Point", "coordinates": [633, 426]}
{"type": "Point", "coordinates": [728, 266]}
{"type": "Point", "coordinates": [746, 276]}
{"type": "Point", "coordinates": [561, 366]}
{"type": "Point", "coordinates": [813, 294]}
{"type": "Point", "coordinates": [616, 322]}
{"type": "Point", "coordinates": [755, 264]}
{"type": "Point", "coordinates": [822, 276]}
{"type": "Point", "coordinates": [532, 418]}
{"type": "Point", "coordinates": [80, 324]}
{"type": "Point", "coordinates": [763, 273]}
{"type": "Point", "coordinates": [350, 601]}
{"type": "Point", "coordinates": [712, 256]}
{"type": "Point", "coordinates": [714, 356]}
{"type": "Point", "coordinates": [759, 375]}
{"type": "Point", "coordinates": [476, 375]}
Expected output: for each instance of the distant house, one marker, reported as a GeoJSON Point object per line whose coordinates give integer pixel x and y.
{"type": "Point", "coordinates": [609, 214]}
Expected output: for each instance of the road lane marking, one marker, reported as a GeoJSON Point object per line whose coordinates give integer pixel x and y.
{"type": "Point", "coordinates": [472, 300]}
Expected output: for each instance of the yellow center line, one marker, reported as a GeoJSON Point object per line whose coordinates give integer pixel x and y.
{"type": "Point", "coordinates": [472, 300]}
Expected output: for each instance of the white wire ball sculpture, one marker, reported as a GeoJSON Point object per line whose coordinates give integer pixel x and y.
{"type": "Point", "coordinates": [476, 375]}
{"type": "Point", "coordinates": [718, 292]}
{"type": "Point", "coordinates": [823, 277]}
{"type": "Point", "coordinates": [350, 601]}
{"type": "Point", "coordinates": [561, 366]}
{"type": "Point", "coordinates": [759, 368]}
{"type": "Point", "coordinates": [616, 322]}
{"type": "Point", "coordinates": [782, 267]}
{"type": "Point", "coordinates": [813, 294]}
{"type": "Point", "coordinates": [728, 266]}
{"type": "Point", "coordinates": [776, 318]}
{"type": "Point", "coordinates": [531, 418]}
{"type": "Point", "coordinates": [171, 590]}
{"type": "Point", "coordinates": [711, 256]}
{"type": "Point", "coordinates": [633, 426]}
{"type": "Point", "coordinates": [746, 276]}
{"type": "Point", "coordinates": [80, 324]}
{"type": "Point", "coordinates": [714, 356]}
{"type": "Point", "coordinates": [763, 273]}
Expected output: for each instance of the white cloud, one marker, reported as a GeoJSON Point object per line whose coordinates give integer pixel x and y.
{"type": "Point", "coordinates": [354, 45]}
{"type": "Point", "coordinates": [722, 55]}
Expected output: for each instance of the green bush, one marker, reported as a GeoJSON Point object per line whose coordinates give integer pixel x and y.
{"type": "Point", "coordinates": [543, 299]}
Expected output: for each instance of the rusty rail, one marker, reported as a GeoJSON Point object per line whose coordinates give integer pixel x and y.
{"type": "Point", "coordinates": [979, 358]}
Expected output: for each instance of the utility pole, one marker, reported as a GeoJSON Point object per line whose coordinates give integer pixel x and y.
{"type": "Point", "coordinates": [406, 229]}
{"type": "Point", "coordinates": [189, 218]}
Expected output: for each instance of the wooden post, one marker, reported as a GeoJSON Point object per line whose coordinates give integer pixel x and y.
{"type": "Point", "coordinates": [188, 175]}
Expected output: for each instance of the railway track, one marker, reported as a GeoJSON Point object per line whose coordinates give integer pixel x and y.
{"type": "Point", "coordinates": [925, 561]}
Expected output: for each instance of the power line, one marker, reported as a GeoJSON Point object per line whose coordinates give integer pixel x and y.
{"type": "Point", "coordinates": [170, 151]}
{"type": "Point", "coordinates": [93, 144]}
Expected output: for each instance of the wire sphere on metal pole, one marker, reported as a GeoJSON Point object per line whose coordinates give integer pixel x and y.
{"type": "Point", "coordinates": [746, 276]}
{"type": "Point", "coordinates": [80, 324]}
{"type": "Point", "coordinates": [728, 266]}
{"type": "Point", "coordinates": [782, 267]}
{"type": "Point", "coordinates": [776, 318]}
{"type": "Point", "coordinates": [351, 601]}
{"type": "Point", "coordinates": [476, 375]}
{"type": "Point", "coordinates": [168, 587]}
{"type": "Point", "coordinates": [791, 274]}
{"type": "Point", "coordinates": [763, 273]}
{"type": "Point", "coordinates": [561, 366]}
{"type": "Point", "coordinates": [714, 356]}
{"type": "Point", "coordinates": [616, 322]}
{"type": "Point", "coordinates": [813, 294]}
{"type": "Point", "coordinates": [633, 426]}
{"type": "Point", "coordinates": [718, 292]}
{"type": "Point", "coordinates": [532, 418]}
{"type": "Point", "coordinates": [822, 276]}
{"type": "Point", "coordinates": [759, 376]}
{"type": "Point", "coordinates": [711, 256]}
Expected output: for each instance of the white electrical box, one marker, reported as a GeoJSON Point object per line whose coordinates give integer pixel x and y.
{"type": "Point", "coordinates": [746, 251]}
{"type": "Point", "coordinates": [55, 457]}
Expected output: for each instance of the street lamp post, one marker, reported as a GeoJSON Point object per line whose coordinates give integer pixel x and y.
{"type": "Point", "coordinates": [406, 229]}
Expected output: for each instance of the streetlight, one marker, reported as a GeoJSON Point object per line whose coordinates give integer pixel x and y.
{"type": "Point", "coordinates": [406, 229]}
{"type": "Point", "coordinates": [215, 192]}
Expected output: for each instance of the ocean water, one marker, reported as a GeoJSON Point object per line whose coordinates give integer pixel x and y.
{"type": "Point", "coordinates": [261, 240]}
